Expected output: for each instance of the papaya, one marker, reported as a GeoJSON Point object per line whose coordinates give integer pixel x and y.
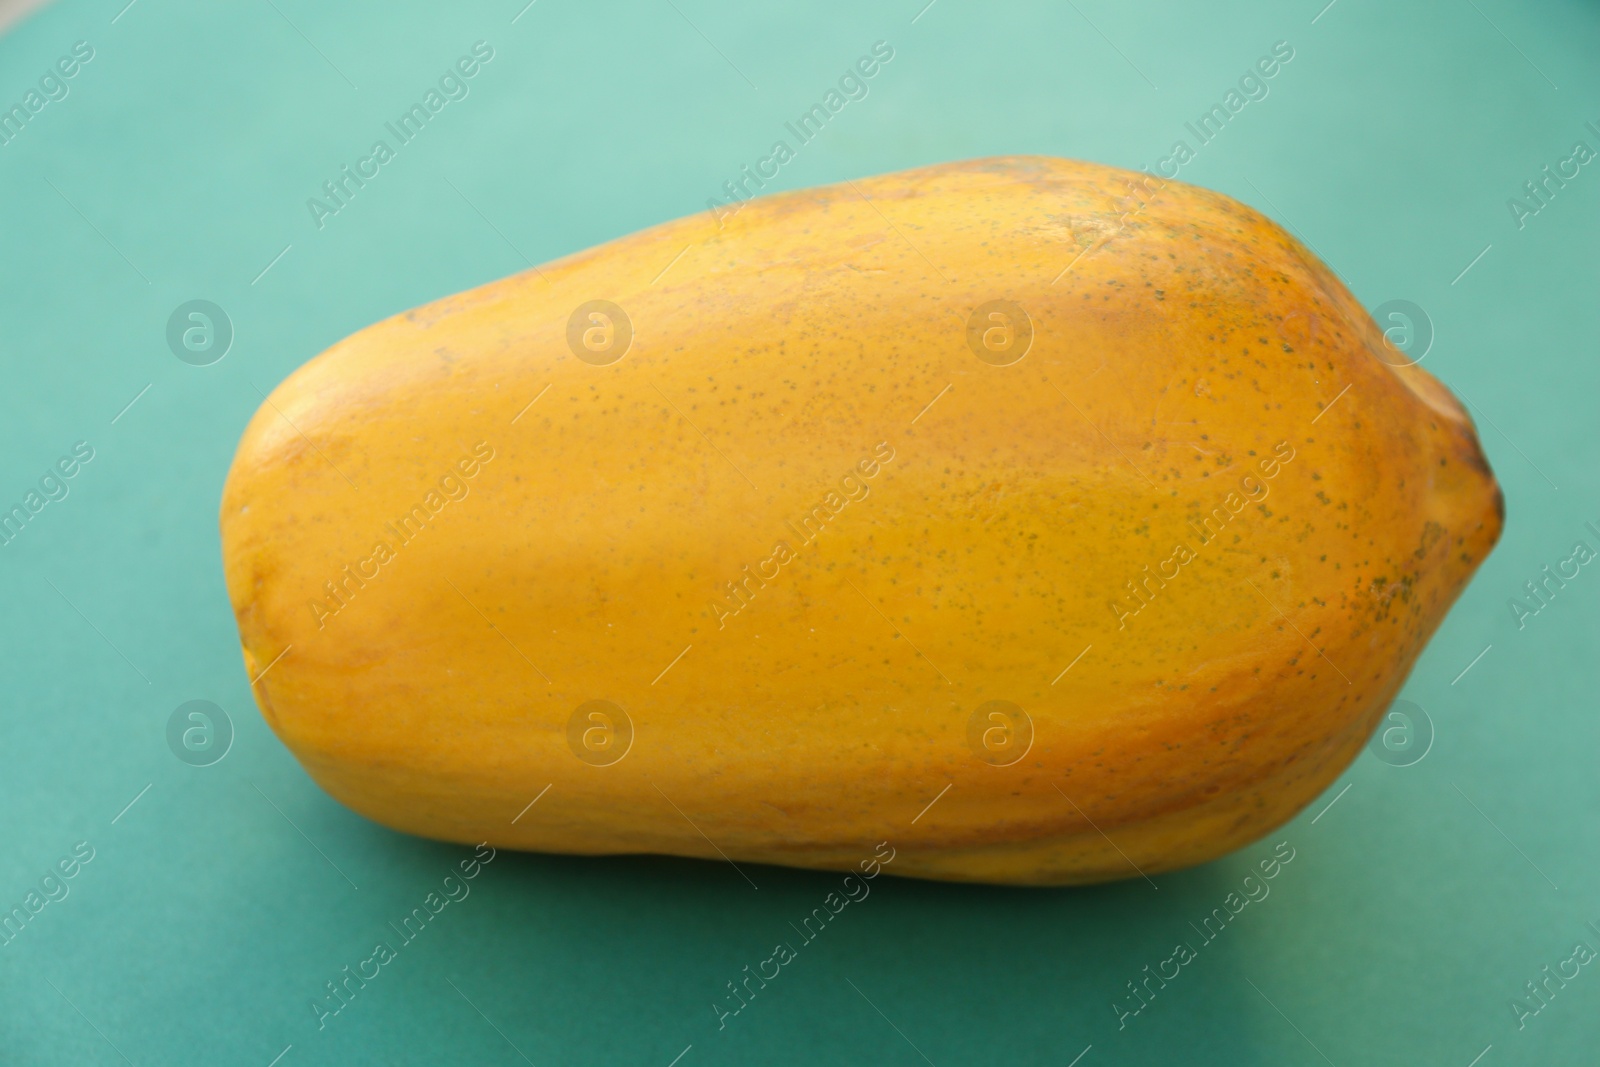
{"type": "Point", "coordinates": [1019, 520]}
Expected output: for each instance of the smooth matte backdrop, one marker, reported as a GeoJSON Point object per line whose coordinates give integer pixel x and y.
{"type": "Point", "coordinates": [220, 899]}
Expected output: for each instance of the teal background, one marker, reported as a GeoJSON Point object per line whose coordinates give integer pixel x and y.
{"type": "Point", "coordinates": [219, 903]}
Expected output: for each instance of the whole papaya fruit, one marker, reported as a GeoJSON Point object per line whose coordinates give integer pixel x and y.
{"type": "Point", "coordinates": [1046, 522]}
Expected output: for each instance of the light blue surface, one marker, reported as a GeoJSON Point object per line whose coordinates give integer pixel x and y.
{"type": "Point", "coordinates": [177, 167]}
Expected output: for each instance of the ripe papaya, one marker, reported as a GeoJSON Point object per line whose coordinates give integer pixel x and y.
{"type": "Point", "coordinates": [1047, 522]}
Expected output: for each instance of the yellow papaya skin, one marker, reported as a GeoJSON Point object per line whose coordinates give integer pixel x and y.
{"type": "Point", "coordinates": [1049, 524]}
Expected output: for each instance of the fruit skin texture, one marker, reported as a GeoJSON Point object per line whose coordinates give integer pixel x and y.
{"type": "Point", "coordinates": [1183, 347]}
